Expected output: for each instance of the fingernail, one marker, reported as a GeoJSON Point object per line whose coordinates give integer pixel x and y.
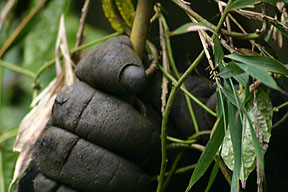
{"type": "Point", "coordinates": [133, 79]}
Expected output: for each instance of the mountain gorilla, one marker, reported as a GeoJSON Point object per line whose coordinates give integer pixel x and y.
{"type": "Point", "coordinates": [96, 140]}
{"type": "Point", "coordinates": [100, 139]}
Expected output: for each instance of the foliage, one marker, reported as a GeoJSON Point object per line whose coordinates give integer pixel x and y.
{"type": "Point", "coordinates": [244, 111]}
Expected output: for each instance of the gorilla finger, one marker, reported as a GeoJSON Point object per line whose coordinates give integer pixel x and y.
{"type": "Point", "coordinates": [113, 67]}
{"type": "Point", "coordinates": [105, 120]}
{"type": "Point", "coordinates": [81, 165]}
{"type": "Point", "coordinates": [44, 184]}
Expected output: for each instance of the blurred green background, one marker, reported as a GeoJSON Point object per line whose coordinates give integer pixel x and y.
{"type": "Point", "coordinates": [35, 45]}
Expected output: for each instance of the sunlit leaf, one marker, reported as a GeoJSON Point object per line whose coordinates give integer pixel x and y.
{"type": "Point", "coordinates": [230, 70]}
{"type": "Point", "coordinates": [258, 73]}
{"type": "Point", "coordinates": [235, 127]}
{"type": "Point", "coordinates": [127, 11]}
{"type": "Point", "coordinates": [213, 174]}
{"type": "Point", "coordinates": [242, 78]}
{"type": "Point", "coordinates": [189, 27]}
{"type": "Point", "coordinates": [243, 3]}
{"type": "Point", "coordinates": [218, 52]}
{"type": "Point", "coordinates": [110, 15]}
{"type": "Point", "coordinates": [208, 154]}
{"type": "Point", "coordinates": [280, 28]}
{"type": "Point", "coordinates": [39, 43]}
{"type": "Point", "coordinates": [124, 7]}
{"type": "Point", "coordinates": [34, 122]}
{"type": "Point", "coordinates": [265, 63]}
{"type": "Point", "coordinates": [264, 124]}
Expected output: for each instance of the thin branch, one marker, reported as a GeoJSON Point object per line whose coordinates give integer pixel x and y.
{"type": "Point", "coordinates": [280, 106]}
{"type": "Point", "coordinates": [173, 169]}
{"type": "Point", "coordinates": [236, 35]}
{"type": "Point", "coordinates": [166, 115]}
{"type": "Point", "coordinates": [141, 25]}
{"type": "Point", "coordinates": [155, 58]}
{"type": "Point", "coordinates": [21, 27]}
{"type": "Point", "coordinates": [6, 10]}
{"type": "Point", "coordinates": [176, 140]}
{"type": "Point", "coordinates": [175, 70]}
{"type": "Point", "coordinates": [17, 69]}
{"type": "Point", "coordinates": [178, 171]}
{"type": "Point", "coordinates": [165, 63]}
{"type": "Point", "coordinates": [282, 120]}
{"type": "Point", "coordinates": [52, 61]}
{"type": "Point", "coordinates": [84, 11]}
{"type": "Point", "coordinates": [197, 101]}
{"type": "Point", "coordinates": [79, 37]}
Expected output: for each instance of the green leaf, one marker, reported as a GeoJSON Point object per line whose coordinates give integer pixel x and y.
{"type": "Point", "coordinates": [235, 127]}
{"type": "Point", "coordinates": [229, 95]}
{"type": "Point", "coordinates": [108, 9]}
{"type": "Point", "coordinates": [242, 78]}
{"type": "Point", "coordinates": [208, 154]}
{"type": "Point", "coordinates": [230, 70]}
{"type": "Point", "coordinates": [260, 61]}
{"type": "Point", "coordinates": [124, 7]}
{"type": "Point", "coordinates": [264, 124]}
{"type": "Point", "coordinates": [218, 52]}
{"type": "Point", "coordinates": [40, 42]}
{"type": "Point", "coordinates": [258, 73]}
{"type": "Point", "coordinates": [280, 28]}
{"type": "Point", "coordinates": [213, 174]}
{"type": "Point", "coordinates": [8, 134]}
{"type": "Point", "coordinates": [189, 27]}
{"type": "Point", "coordinates": [237, 4]}
{"type": "Point", "coordinates": [127, 11]}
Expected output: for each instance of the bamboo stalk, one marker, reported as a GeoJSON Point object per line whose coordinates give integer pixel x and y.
{"type": "Point", "coordinates": [141, 25]}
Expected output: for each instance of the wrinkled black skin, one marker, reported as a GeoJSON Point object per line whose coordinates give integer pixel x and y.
{"type": "Point", "coordinates": [100, 131]}
{"type": "Point", "coordinates": [58, 147]}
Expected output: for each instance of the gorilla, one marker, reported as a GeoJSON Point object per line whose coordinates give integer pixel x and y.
{"type": "Point", "coordinates": [98, 139]}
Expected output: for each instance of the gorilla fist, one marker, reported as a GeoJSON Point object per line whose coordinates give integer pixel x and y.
{"type": "Point", "coordinates": [96, 140]}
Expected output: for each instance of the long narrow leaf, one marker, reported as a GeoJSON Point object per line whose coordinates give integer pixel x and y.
{"type": "Point", "coordinates": [213, 174]}
{"type": "Point", "coordinates": [235, 127]}
{"type": "Point", "coordinates": [242, 78]}
{"type": "Point", "coordinates": [218, 52]}
{"type": "Point", "coordinates": [280, 28]}
{"type": "Point", "coordinates": [258, 73]}
{"type": "Point", "coordinates": [2, 183]}
{"type": "Point", "coordinates": [208, 154]}
{"type": "Point", "coordinates": [255, 141]}
{"type": "Point", "coordinates": [260, 61]}
{"type": "Point", "coordinates": [230, 70]}
{"type": "Point", "coordinates": [190, 27]}
{"type": "Point", "coordinates": [243, 3]}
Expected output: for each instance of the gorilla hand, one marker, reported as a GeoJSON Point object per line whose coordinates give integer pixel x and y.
{"type": "Point", "coordinates": [92, 133]}
{"type": "Point", "coordinates": [95, 138]}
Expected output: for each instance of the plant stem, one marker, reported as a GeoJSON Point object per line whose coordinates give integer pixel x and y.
{"type": "Point", "coordinates": [175, 70]}
{"type": "Point", "coordinates": [281, 106]}
{"type": "Point", "coordinates": [166, 115]}
{"type": "Point", "coordinates": [280, 121]}
{"type": "Point", "coordinates": [173, 169]}
{"type": "Point", "coordinates": [171, 99]}
{"type": "Point", "coordinates": [8, 134]}
{"type": "Point", "coordinates": [2, 181]}
{"type": "Point", "coordinates": [141, 25]}
{"type": "Point", "coordinates": [179, 171]}
{"type": "Point", "coordinates": [21, 27]}
{"type": "Point", "coordinates": [52, 61]}
{"type": "Point", "coordinates": [197, 101]}
{"type": "Point", "coordinates": [176, 140]}
{"type": "Point", "coordinates": [94, 42]}
{"type": "Point", "coordinates": [17, 69]}
{"type": "Point", "coordinates": [236, 35]}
